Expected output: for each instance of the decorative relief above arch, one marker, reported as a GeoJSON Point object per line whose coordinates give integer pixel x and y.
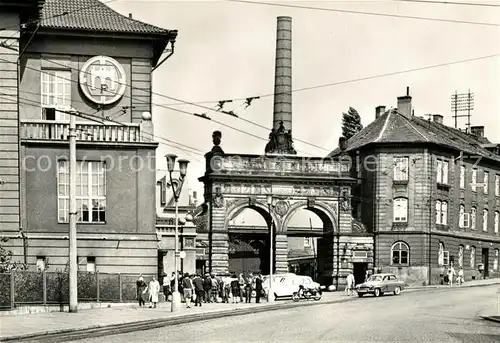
{"type": "Point", "coordinates": [358, 227]}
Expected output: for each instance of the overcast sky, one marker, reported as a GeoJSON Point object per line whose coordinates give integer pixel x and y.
{"type": "Point", "coordinates": [225, 50]}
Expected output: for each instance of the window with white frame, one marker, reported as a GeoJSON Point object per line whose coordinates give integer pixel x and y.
{"type": "Point", "coordinates": [486, 182]}
{"type": "Point", "coordinates": [472, 257]}
{"type": "Point", "coordinates": [497, 185]}
{"type": "Point", "coordinates": [56, 91]}
{"type": "Point", "coordinates": [473, 214]}
{"type": "Point", "coordinates": [307, 242]}
{"type": "Point", "coordinates": [495, 261]}
{"type": "Point", "coordinates": [464, 218]}
{"type": "Point", "coordinates": [90, 192]}
{"type": "Point", "coordinates": [460, 256]}
{"type": "Point", "coordinates": [400, 253]}
{"type": "Point", "coordinates": [442, 172]}
{"type": "Point", "coordinates": [474, 180]}
{"type": "Point", "coordinates": [40, 263]}
{"type": "Point", "coordinates": [462, 177]}
{"type": "Point", "coordinates": [443, 255]}
{"type": "Point", "coordinates": [400, 209]}
{"type": "Point", "coordinates": [485, 220]}
{"type": "Point", "coordinates": [91, 264]}
{"type": "Point", "coordinates": [441, 212]}
{"type": "Point", "coordinates": [497, 220]}
{"type": "Point", "coordinates": [401, 169]}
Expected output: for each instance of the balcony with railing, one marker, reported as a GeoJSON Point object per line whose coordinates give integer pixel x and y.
{"type": "Point", "coordinates": [50, 130]}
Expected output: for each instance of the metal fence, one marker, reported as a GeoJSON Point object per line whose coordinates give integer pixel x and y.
{"type": "Point", "coordinates": [52, 288]}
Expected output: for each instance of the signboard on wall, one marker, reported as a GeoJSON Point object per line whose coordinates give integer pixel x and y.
{"type": "Point", "coordinates": [102, 80]}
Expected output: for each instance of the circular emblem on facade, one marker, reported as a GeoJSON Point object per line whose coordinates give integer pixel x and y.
{"type": "Point", "coordinates": [281, 207]}
{"type": "Point", "coordinates": [102, 80]}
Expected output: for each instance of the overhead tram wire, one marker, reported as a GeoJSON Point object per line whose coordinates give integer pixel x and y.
{"type": "Point", "coordinates": [303, 89]}
{"type": "Point", "coordinates": [431, 2]}
{"type": "Point", "coordinates": [364, 13]}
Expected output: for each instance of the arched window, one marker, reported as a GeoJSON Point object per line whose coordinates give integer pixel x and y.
{"type": "Point", "coordinates": [485, 220]}
{"type": "Point", "coordinates": [460, 256]}
{"type": "Point", "coordinates": [497, 220]}
{"type": "Point", "coordinates": [495, 261]}
{"type": "Point", "coordinates": [473, 257]}
{"type": "Point", "coordinates": [400, 253]}
{"type": "Point", "coordinates": [441, 254]}
{"type": "Point", "coordinates": [473, 218]}
{"type": "Point", "coordinates": [400, 210]}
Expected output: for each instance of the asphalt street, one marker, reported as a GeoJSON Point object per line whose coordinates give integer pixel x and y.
{"type": "Point", "coordinates": [429, 316]}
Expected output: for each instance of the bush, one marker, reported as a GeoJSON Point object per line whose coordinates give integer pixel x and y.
{"type": "Point", "coordinates": [5, 291]}
{"type": "Point", "coordinates": [109, 287]}
{"type": "Point", "coordinates": [28, 287]}
{"type": "Point", "coordinates": [87, 286]}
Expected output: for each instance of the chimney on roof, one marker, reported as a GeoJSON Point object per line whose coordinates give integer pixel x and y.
{"type": "Point", "coordinates": [379, 110]}
{"type": "Point", "coordinates": [437, 118]}
{"type": "Point", "coordinates": [195, 198]}
{"type": "Point", "coordinates": [130, 15]}
{"type": "Point", "coordinates": [404, 104]}
{"type": "Point", "coordinates": [477, 131]}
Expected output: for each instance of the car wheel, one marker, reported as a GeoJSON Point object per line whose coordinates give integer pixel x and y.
{"type": "Point", "coordinates": [377, 292]}
{"type": "Point", "coordinates": [295, 297]}
{"type": "Point", "coordinates": [360, 295]}
{"type": "Point", "coordinates": [397, 291]}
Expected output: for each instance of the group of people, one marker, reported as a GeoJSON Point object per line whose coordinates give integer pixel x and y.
{"type": "Point", "coordinates": [207, 289]}
{"type": "Point", "coordinates": [450, 275]}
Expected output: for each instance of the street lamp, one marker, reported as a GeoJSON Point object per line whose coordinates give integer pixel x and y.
{"type": "Point", "coordinates": [176, 296]}
{"type": "Point", "coordinates": [270, 293]}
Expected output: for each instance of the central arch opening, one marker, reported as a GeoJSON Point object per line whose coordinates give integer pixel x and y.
{"type": "Point", "coordinates": [248, 232]}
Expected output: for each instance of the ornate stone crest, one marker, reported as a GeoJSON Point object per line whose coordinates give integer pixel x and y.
{"type": "Point", "coordinates": [103, 80]}
{"type": "Point", "coordinates": [282, 207]}
{"type": "Point", "coordinates": [218, 198]}
{"type": "Point", "coordinates": [280, 141]}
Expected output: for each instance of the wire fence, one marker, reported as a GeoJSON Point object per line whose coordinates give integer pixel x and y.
{"type": "Point", "coordinates": [21, 288]}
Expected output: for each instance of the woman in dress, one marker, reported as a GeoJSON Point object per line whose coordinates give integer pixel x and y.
{"type": "Point", "coordinates": [141, 290]}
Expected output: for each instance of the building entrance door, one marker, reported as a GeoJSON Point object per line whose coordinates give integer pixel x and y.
{"type": "Point", "coordinates": [485, 254]}
{"type": "Point", "coordinates": [359, 271]}
{"type": "Point", "coordinates": [248, 253]}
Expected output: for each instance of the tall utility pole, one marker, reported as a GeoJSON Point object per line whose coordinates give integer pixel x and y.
{"type": "Point", "coordinates": [73, 274]}
{"type": "Point", "coordinates": [462, 103]}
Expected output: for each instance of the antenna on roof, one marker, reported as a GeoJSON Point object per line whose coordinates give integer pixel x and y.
{"type": "Point", "coordinates": [461, 103]}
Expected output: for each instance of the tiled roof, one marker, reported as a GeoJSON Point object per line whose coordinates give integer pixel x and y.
{"type": "Point", "coordinates": [393, 127]}
{"type": "Point", "coordinates": [92, 15]}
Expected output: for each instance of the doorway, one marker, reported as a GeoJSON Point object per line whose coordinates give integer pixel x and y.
{"type": "Point", "coordinates": [359, 271]}
{"type": "Point", "coordinates": [485, 255]}
{"type": "Point", "coordinates": [200, 267]}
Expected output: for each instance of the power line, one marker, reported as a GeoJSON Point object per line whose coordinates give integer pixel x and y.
{"type": "Point", "coordinates": [366, 13]}
{"type": "Point", "coordinates": [450, 3]}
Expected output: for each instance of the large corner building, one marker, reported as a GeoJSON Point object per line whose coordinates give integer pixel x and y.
{"type": "Point", "coordinates": [64, 56]}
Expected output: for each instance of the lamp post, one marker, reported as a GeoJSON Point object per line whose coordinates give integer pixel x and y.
{"type": "Point", "coordinates": [270, 293]}
{"type": "Point", "coordinates": [176, 296]}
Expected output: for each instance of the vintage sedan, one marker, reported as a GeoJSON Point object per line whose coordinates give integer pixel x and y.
{"type": "Point", "coordinates": [378, 284]}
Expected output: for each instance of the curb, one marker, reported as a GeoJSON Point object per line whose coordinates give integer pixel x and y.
{"type": "Point", "coordinates": [64, 335]}
{"type": "Point", "coordinates": [495, 319]}
{"type": "Point", "coordinates": [103, 330]}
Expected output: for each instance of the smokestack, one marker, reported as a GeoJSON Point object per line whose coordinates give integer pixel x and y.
{"type": "Point", "coordinates": [477, 131]}
{"type": "Point", "coordinates": [437, 118]}
{"type": "Point", "coordinates": [130, 15]}
{"type": "Point", "coordinates": [404, 104]}
{"type": "Point", "coordinates": [280, 139]}
{"type": "Point", "coordinates": [379, 110]}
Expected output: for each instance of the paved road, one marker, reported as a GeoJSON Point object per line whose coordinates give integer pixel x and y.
{"type": "Point", "coordinates": [431, 316]}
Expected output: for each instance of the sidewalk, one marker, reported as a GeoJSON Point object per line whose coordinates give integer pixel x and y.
{"type": "Point", "coordinates": [129, 318]}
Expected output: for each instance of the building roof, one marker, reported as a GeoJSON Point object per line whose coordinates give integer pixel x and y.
{"type": "Point", "coordinates": [92, 15]}
{"type": "Point", "coordinates": [393, 127]}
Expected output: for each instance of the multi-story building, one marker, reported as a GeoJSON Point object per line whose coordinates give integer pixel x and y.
{"type": "Point", "coordinates": [81, 57]}
{"type": "Point", "coordinates": [429, 193]}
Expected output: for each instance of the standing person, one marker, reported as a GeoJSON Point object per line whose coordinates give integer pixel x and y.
{"type": "Point", "coordinates": [166, 286]}
{"type": "Point", "coordinates": [451, 274]}
{"type": "Point", "coordinates": [248, 289]}
{"type": "Point", "coordinates": [141, 290]}
{"type": "Point", "coordinates": [207, 286]}
{"type": "Point", "coordinates": [154, 290]}
{"type": "Point", "coordinates": [241, 282]}
{"type": "Point", "coordinates": [460, 278]}
{"type": "Point", "coordinates": [198, 289]}
{"type": "Point", "coordinates": [214, 291]}
{"type": "Point", "coordinates": [187, 289]}
{"type": "Point", "coordinates": [235, 289]}
{"type": "Point", "coordinates": [258, 288]}
{"type": "Point", "coordinates": [349, 289]}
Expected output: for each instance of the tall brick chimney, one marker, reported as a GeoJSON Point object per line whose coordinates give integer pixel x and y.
{"type": "Point", "coordinates": [404, 104]}
{"type": "Point", "coordinates": [477, 131]}
{"type": "Point", "coordinates": [379, 110]}
{"type": "Point", "coordinates": [280, 138]}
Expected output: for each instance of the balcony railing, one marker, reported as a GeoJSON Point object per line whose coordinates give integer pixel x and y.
{"type": "Point", "coordinates": [52, 130]}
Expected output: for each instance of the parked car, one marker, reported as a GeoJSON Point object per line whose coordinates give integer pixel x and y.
{"type": "Point", "coordinates": [284, 285]}
{"type": "Point", "coordinates": [378, 284]}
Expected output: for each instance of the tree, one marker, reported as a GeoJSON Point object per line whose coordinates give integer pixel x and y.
{"type": "Point", "coordinates": [351, 123]}
{"type": "Point", "coordinates": [6, 263]}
